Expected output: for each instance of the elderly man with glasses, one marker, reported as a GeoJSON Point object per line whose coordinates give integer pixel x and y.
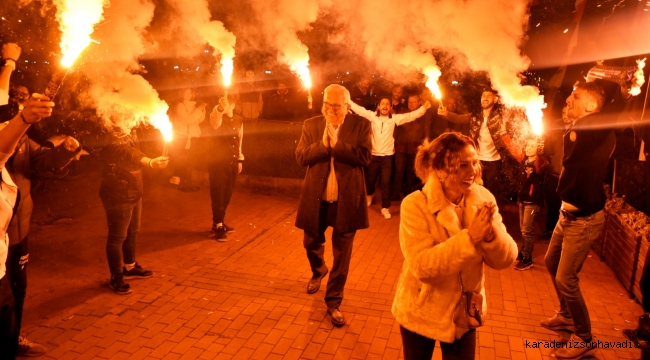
{"type": "Point", "coordinates": [335, 148]}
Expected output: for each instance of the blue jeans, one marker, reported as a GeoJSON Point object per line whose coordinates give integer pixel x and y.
{"type": "Point", "coordinates": [123, 226]}
{"type": "Point", "coordinates": [527, 213]}
{"type": "Point", "coordinates": [566, 253]}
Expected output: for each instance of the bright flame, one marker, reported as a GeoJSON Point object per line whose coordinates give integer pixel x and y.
{"type": "Point", "coordinates": [302, 70]}
{"type": "Point", "coordinates": [227, 67]}
{"type": "Point", "coordinates": [77, 19]}
{"type": "Point", "coordinates": [639, 79]}
{"type": "Point", "coordinates": [433, 74]}
{"type": "Point", "coordinates": [535, 115]}
{"type": "Point", "coordinates": [160, 121]}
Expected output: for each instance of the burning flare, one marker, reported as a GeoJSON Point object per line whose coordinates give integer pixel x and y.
{"type": "Point", "coordinates": [433, 74]}
{"type": "Point", "coordinates": [302, 70]}
{"type": "Point", "coordinates": [227, 67]}
{"type": "Point", "coordinates": [638, 79]}
{"type": "Point", "coordinates": [77, 19]}
{"type": "Point", "coordinates": [160, 121]}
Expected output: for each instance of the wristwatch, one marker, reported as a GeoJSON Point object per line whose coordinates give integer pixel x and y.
{"type": "Point", "coordinates": [3, 62]}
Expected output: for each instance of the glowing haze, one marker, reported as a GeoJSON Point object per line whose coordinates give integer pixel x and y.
{"type": "Point", "coordinates": [195, 20]}
{"type": "Point", "coordinates": [118, 92]}
{"type": "Point", "coordinates": [482, 35]}
{"type": "Point", "coordinates": [281, 20]}
{"type": "Point", "coordinates": [77, 19]}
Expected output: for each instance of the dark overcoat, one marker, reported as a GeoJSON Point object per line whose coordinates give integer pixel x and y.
{"type": "Point", "coordinates": [351, 154]}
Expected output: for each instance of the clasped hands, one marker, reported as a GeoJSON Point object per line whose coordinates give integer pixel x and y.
{"type": "Point", "coordinates": [481, 227]}
{"type": "Point", "coordinates": [329, 136]}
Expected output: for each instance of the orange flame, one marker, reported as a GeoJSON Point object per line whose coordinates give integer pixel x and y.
{"type": "Point", "coordinates": [77, 19]}
{"type": "Point", "coordinates": [639, 78]}
{"type": "Point", "coordinates": [433, 74]}
{"type": "Point", "coordinates": [160, 120]}
{"type": "Point", "coordinates": [227, 67]}
{"type": "Point", "coordinates": [301, 68]}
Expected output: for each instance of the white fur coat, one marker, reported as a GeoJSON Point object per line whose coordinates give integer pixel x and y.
{"type": "Point", "coordinates": [436, 246]}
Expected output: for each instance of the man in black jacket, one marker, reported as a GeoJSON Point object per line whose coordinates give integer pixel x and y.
{"type": "Point", "coordinates": [335, 148]}
{"type": "Point", "coordinates": [588, 144]}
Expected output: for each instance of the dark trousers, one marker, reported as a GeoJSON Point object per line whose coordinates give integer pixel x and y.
{"type": "Point", "coordinates": [8, 333]}
{"type": "Point", "coordinates": [17, 270]}
{"type": "Point", "coordinates": [222, 182]}
{"type": "Point", "coordinates": [123, 226]}
{"type": "Point", "coordinates": [379, 165]}
{"type": "Point", "coordinates": [182, 160]}
{"type": "Point", "coordinates": [418, 347]}
{"type": "Point", "coordinates": [341, 249]}
{"type": "Point", "coordinates": [405, 181]}
{"type": "Point", "coordinates": [492, 177]}
{"type": "Point", "coordinates": [553, 201]}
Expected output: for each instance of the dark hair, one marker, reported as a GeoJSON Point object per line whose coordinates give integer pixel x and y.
{"type": "Point", "coordinates": [594, 90]}
{"type": "Point", "coordinates": [490, 90]}
{"type": "Point", "coordinates": [390, 101]}
{"type": "Point", "coordinates": [442, 153]}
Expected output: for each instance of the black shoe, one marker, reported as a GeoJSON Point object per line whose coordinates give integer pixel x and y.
{"type": "Point", "coordinates": [120, 286]}
{"type": "Point", "coordinates": [220, 233]}
{"type": "Point", "coordinates": [229, 229]}
{"type": "Point", "coordinates": [138, 272]}
{"type": "Point", "coordinates": [524, 264]}
{"type": "Point", "coordinates": [520, 256]}
{"type": "Point", "coordinates": [640, 335]}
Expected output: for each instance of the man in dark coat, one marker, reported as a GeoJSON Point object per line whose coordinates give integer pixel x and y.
{"type": "Point", "coordinates": [335, 148]}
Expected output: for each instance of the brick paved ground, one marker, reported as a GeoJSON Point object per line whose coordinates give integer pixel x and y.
{"type": "Point", "coordinates": [246, 299]}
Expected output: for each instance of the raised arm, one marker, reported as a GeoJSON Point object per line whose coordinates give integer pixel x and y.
{"type": "Point", "coordinates": [401, 119]}
{"type": "Point", "coordinates": [216, 116]}
{"type": "Point", "coordinates": [10, 54]}
{"type": "Point", "coordinates": [361, 111]}
{"type": "Point", "coordinates": [455, 118]}
{"type": "Point", "coordinates": [37, 107]}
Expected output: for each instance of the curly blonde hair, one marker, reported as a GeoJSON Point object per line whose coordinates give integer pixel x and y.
{"type": "Point", "coordinates": [442, 153]}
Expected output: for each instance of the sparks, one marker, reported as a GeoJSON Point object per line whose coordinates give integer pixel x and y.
{"type": "Point", "coordinates": [77, 19]}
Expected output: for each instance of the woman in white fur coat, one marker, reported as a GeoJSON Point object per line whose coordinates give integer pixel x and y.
{"type": "Point", "coordinates": [451, 226]}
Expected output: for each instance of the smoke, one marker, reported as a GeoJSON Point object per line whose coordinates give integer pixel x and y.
{"type": "Point", "coordinates": [483, 35]}
{"type": "Point", "coordinates": [118, 92]}
{"type": "Point", "coordinates": [194, 21]}
{"type": "Point", "coordinates": [280, 22]}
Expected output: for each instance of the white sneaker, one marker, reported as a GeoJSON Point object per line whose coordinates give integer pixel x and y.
{"type": "Point", "coordinates": [369, 199]}
{"type": "Point", "coordinates": [386, 213]}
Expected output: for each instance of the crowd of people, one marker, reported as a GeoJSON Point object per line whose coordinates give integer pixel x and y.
{"type": "Point", "coordinates": [453, 170]}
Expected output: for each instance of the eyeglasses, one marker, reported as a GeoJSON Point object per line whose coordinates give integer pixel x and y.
{"type": "Point", "coordinates": [335, 107]}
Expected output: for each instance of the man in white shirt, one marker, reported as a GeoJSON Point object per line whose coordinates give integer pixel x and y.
{"type": "Point", "coordinates": [494, 145]}
{"type": "Point", "coordinates": [383, 124]}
